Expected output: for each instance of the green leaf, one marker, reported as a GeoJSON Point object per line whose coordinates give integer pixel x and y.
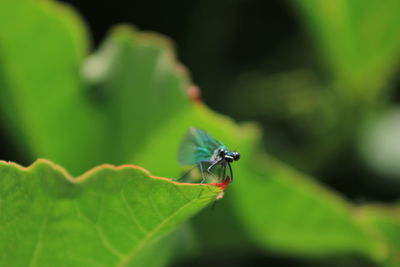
{"type": "Point", "coordinates": [43, 76]}
{"type": "Point", "coordinates": [109, 216]}
{"type": "Point", "coordinates": [298, 215]}
{"type": "Point", "coordinates": [140, 88]}
{"type": "Point", "coordinates": [128, 103]}
{"type": "Point", "coordinates": [384, 222]}
{"type": "Point", "coordinates": [86, 109]}
{"type": "Point", "coordinates": [361, 53]}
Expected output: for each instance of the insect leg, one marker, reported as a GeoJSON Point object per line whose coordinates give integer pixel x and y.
{"type": "Point", "coordinates": [213, 164]}
{"type": "Point", "coordinates": [201, 167]}
{"type": "Point", "coordinates": [230, 170]}
{"type": "Point", "coordinates": [200, 164]}
{"type": "Point", "coordinates": [202, 171]}
{"type": "Point", "coordinates": [224, 173]}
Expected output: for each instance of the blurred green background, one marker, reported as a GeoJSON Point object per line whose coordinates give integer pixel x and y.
{"type": "Point", "coordinates": [319, 77]}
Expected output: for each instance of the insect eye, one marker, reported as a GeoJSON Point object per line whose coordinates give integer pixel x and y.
{"type": "Point", "coordinates": [236, 156]}
{"type": "Point", "coordinates": [221, 151]}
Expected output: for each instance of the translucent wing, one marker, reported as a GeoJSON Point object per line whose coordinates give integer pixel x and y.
{"type": "Point", "coordinates": [197, 145]}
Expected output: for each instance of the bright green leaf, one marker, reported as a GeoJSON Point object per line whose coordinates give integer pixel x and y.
{"type": "Point", "coordinates": [43, 76]}
{"type": "Point", "coordinates": [107, 217]}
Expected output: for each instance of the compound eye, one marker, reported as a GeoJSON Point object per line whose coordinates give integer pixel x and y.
{"type": "Point", "coordinates": [221, 152]}
{"type": "Point", "coordinates": [236, 155]}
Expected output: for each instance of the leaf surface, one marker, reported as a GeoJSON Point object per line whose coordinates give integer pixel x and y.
{"type": "Point", "coordinates": [107, 217]}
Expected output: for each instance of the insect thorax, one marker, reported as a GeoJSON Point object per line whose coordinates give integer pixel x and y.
{"type": "Point", "coordinates": [216, 155]}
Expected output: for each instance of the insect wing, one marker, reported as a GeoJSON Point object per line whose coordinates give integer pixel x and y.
{"type": "Point", "coordinates": [197, 146]}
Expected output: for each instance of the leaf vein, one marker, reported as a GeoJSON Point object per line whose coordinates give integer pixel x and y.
{"type": "Point", "coordinates": [38, 245]}
{"type": "Point", "coordinates": [132, 215]}
{"type": "Point", "coordinates": [107, 243]}
{"type": "Point", "coordinates": [124, 261]}
{"type": "Point", "coordinates": [154, 207]}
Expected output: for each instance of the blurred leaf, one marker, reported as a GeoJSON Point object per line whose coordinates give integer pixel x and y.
{"type": "Point", "coordinates": [360, 40]}
{"type": "Point", "coordinates": [385, 222]}
{"type": "Point", "coordinates": [42, 45]}
{"type": "Point", "coordinates": [109, 216]}
{"type": "Point", "coordinates": [137, 82]}
{"type": "Point", "coordinates": [129, 104]}
{"type": "Point", "coordinates": [285, 211]}
{"type": "Point", "coordinates": [56, 113]}
{"type": "Point", "coordinates": [379, 144]}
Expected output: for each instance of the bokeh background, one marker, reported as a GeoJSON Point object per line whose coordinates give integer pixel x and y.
{"type": "Point", "coordinates": [319, 77]}
{"type": "Point", "coordinates": [315, 76]}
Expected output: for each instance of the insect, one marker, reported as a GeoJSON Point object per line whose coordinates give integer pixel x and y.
{"type": "Point", "coordinates": [211, 156]}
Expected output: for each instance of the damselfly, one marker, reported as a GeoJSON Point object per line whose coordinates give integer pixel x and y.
{"type": "Point", "coordinates": [211, 156]}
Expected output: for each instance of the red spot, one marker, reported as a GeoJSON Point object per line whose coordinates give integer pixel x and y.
{"type": "Point", "coordinates": [194, 94]}
{"type": "Point", "coordinates": [224, 184]}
